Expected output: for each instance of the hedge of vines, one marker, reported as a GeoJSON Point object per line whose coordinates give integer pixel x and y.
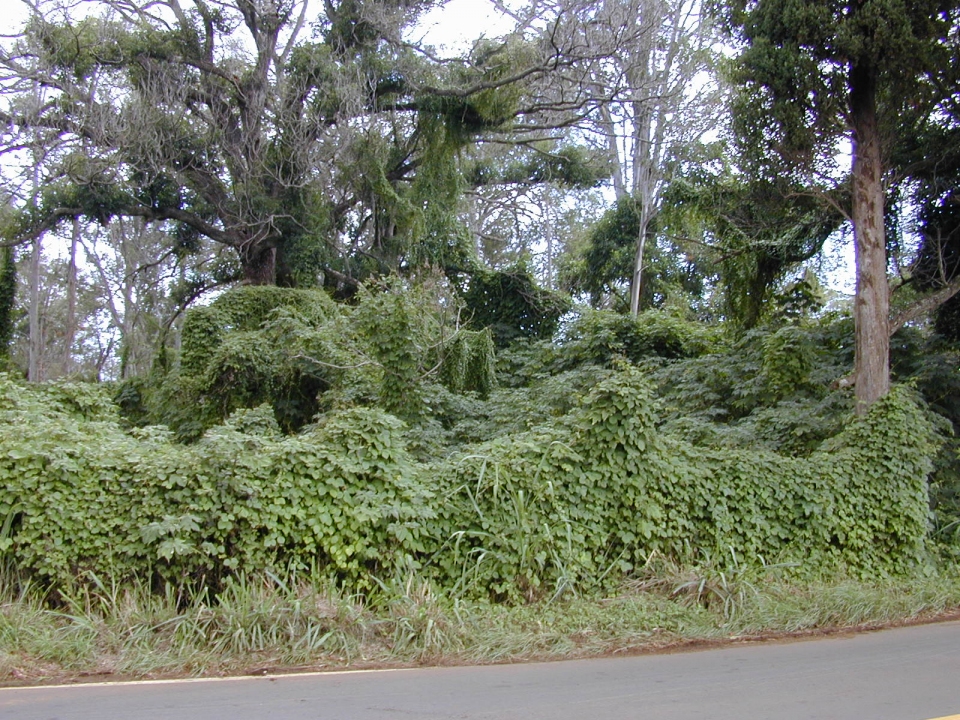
{"type": "Point", "coordinates": [303, 354]}
{"type": "Point", "coordinates": [582, 500]}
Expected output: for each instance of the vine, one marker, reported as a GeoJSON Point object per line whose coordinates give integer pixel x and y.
{"type": "Point", "coordinates": [581, 500]}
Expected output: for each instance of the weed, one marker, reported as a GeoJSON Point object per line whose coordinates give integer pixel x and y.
{"type": "Point", "coordinates": [301, 618]}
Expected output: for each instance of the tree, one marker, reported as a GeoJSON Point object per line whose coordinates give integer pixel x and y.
{"type": "Point", "coordinates": [752, 231]}
{"type": "Point", "coordinates": [930, 181]}
{"type": "Point", "coordinates": [184, 118]}
{"type": "Point", "coordinates": [643, 97]}
{"type": "Point", "coordinates": [334, 156]}
{"type": "Point", "coordinates": [602, 267]}
{"type": "Point", "coordinates": [145, 281]}
{"type": "Point", "coordinates": [44, 345]}
{"type": "Point", "coordinates": [658, 101]}
{"type": "Point", "coordinates": [815, 74]}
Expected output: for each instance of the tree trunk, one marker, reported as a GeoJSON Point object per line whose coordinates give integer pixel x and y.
{"type": "Point", "coordinates": [548, 230]}
{"type": "Point", "coordinates": [636, 284]}
{"type": "Point", "coordinates": [872, 301]}
{"type": "Point", "coordinates": [35, 342]}
{"type": "Point", "coordinates": [70, 330]}
{"type": "Point", "coordinates": [259, 266]}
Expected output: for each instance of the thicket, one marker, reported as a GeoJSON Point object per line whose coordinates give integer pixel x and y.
{"type": "Point", "coordinates": [574, 503]}
{"type": "Point", "coordinates": [303, 354]}
{"type": "Point", "coordinates": [382, 438]}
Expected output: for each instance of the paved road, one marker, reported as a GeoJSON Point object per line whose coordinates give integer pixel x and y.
{"type": "Point", "coordinates": [902, 674]}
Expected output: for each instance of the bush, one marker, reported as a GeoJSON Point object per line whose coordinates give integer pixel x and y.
{"type": "Point", "coordinates": [600, 336]}
{"type": "Point", "coordinates": [85, 495]}
{"type": "Point", "coordinates": [591, 497]}
{"type": "Point", "coordinates": [304, 355]}
{"type": "Point", "coordinates": [579, 501]}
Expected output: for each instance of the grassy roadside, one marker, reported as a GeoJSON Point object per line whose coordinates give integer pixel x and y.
{"type": "Point", "coordinates": [270, 624]}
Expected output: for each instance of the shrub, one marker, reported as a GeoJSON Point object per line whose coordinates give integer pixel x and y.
{"type": "Point", "coordinates": [600, 336]}
{"type": "Point", "coordinates": [576, 502]}
{"type": "Point", "coordinates": [592, 496]}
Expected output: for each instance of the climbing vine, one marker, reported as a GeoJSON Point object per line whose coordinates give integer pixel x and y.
{"type": "Point", "coordinates": [581, 500]}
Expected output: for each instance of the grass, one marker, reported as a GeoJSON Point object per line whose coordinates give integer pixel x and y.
{"type": "Point", "coordinates": [265, 622]}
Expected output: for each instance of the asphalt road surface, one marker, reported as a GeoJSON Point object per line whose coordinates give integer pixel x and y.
{"type": "Point", "coordinates": [901, 674]}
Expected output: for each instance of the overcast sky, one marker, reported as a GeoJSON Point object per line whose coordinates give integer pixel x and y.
{"type": "Point", "coordinates": [453, 26]}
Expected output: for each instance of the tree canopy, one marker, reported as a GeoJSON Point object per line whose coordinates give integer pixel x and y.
{"type": "Point", "coordinates": [605, 150]}
{"type": "Point", "coordinates": [815, 74]}
{"type": "Point", "coordinates": [314, 146]}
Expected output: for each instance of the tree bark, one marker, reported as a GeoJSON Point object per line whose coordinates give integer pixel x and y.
{"type": "Point", "coordinates": [548, 230]}
{"type": "Point", "coordinates": [259, 266]}
{"type": "Point", "coordinates": [636, 284]}
{"type": "Point", "coordinates": [872, 301]}
{"type": "Point", "coordinates": [35, 342]}
{"type": "Point", "coordinates": [70, 330]}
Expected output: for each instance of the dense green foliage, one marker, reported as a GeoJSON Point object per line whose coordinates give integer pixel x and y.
{"type": "Point", "coordinates": [602, 268]}
{"type": "Point", "coordinates": [399, 415]}
{"type": "Point", "coordinates": [760, 231]}
{"type": "Point", "coordinates": [80, 493]}
{"type": "Point", "coordinates": [602, 336]}
{"type": "Point", "coordinates": [795, 72]}
{"type": "Point", "coordinates": [8, 296]}
{"type": "Point", "coordinates": [600, 490]}
{"type": "Point", "coordinates": [302, 353]}
{"type": "Point", "coordinates": [374, 438]}
{"type": "Point", "coordinates": [576, 501]}
{"type": "Point", "coordinates": [512, 305]}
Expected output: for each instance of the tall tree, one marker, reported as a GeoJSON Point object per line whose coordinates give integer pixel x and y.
{"type": "Point", "coordinates": [644, 96]}
{"type": "Point", "coordinates": [661, 115]}
{"type": "Point", "coordinates": [306, 155]}
{"type": "Point", "coordinates": [817, 73]}
{"type": "Point", "coordinates": [659, 100]}
{"type": "Point", "coordinates": [208, 116]}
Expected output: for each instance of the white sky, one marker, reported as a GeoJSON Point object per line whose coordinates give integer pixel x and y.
{"type": "Point", "coordinates": [453, 26]}
{"type": "Point", "coordinates": [450, 27]}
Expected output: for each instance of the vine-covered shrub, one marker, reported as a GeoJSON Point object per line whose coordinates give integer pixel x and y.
{"type": "Point", "coordinates": [771, 387]}
{"type": "Point", "coordinates": [512, 305]}
{"type": "Point", "coordinates": [243, 308]}
{"type": "Point", "coordinates": [600, 336]}
{"type": "Point", "coordinates": [304, 355]}
{"type": "Point", "coordinates": [82, 495]}
{"type": "Point", "coordinates": [388, 317]}
{"type": "Point", "coordinates": [788, 358]}
{"type": "Point", "coordinates": [581, 500]}
{"type": "Point", "coordinates": [591, 497]}
{"type": "Point", "coordinates": [469, 362]}
{"type": "Point", "coordinates": [253, 344]}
